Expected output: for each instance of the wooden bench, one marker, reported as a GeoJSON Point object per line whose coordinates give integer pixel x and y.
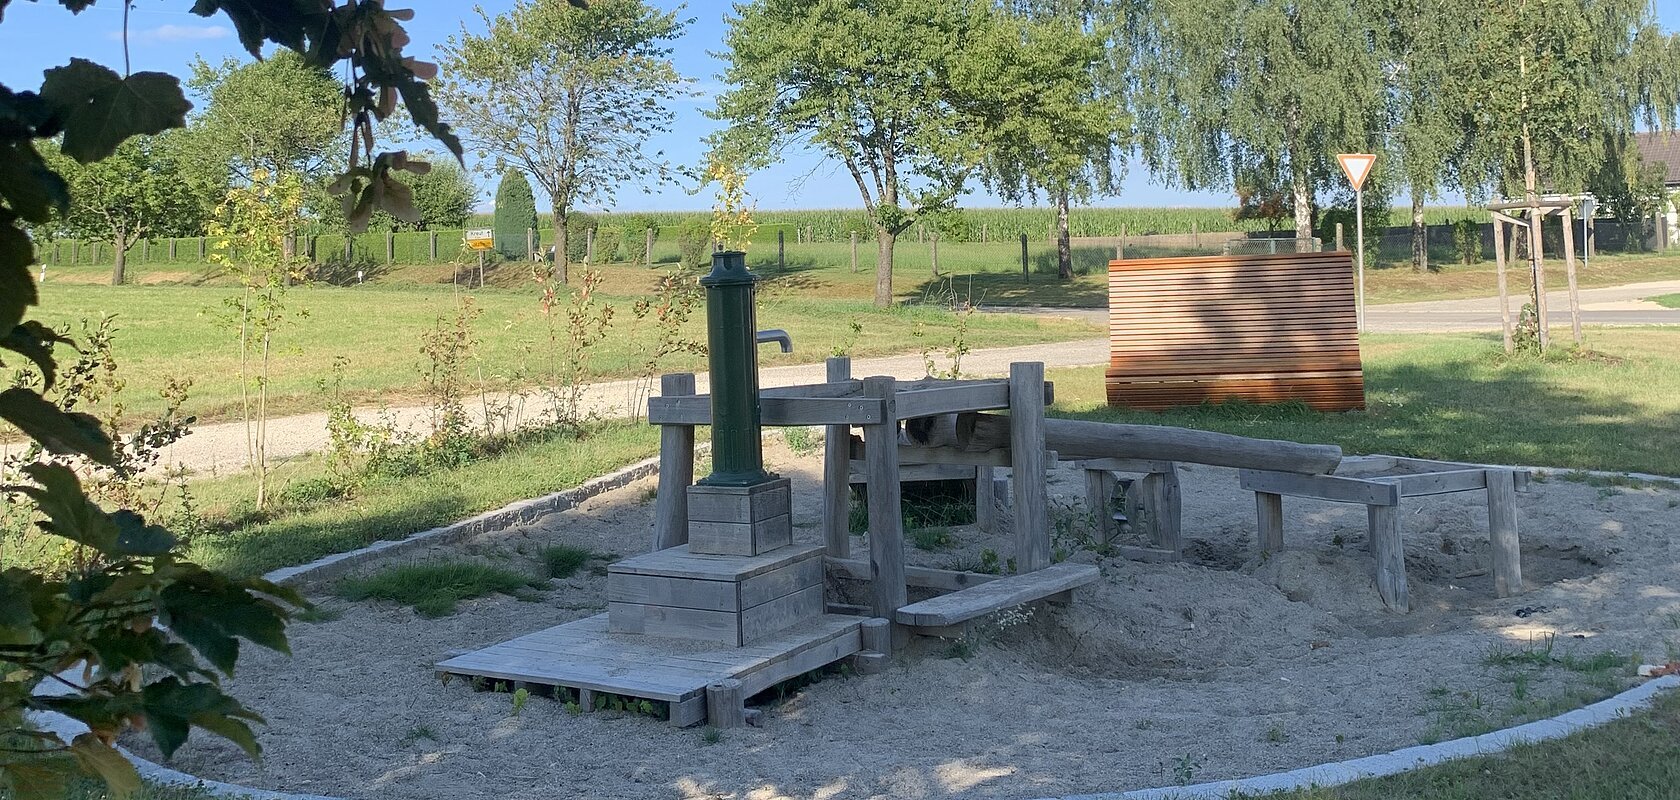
{"type": "Point", "coordinates": [1259, 328]}
{"type": "Point", "coordinates": [946, 614]}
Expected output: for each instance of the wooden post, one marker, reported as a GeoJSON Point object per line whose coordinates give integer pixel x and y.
{"type": "Point", "coordinates": [431, 245]}
{"type": "Point", "coordinates": [837, 534]}
{"type": "Point", "coordinates": [171, 251]}
{"type": "Point", "coordinates": [1569, 267]}
{"type": "Point", "coordinates": [1339, 241]}
{"type": "Point", "coordinates": [1504, 294]}
{"type": "Point", "coordinates": [985, 501]}
{"type": "Point", "coordinates": [1099, 495]}
{"type": "Point", "coordinates": [647, 247]}
{"type": "Point", "coordinates": [725, 707]}
{"type": "Point", "coordinates": [1391, 557]}
{"type": "Point", "coordinates": [1025, 275]}
{"type": "Point", "coordinates": [531, 245]}
{"type": "Point", "coordinates": [781, 248]}
{"type": "Point", "coordinates": [875, 635]}
{"type": "Point", "coordinates": [886, 516]}
{"type": "Point", "coordinates": [390, 247]}
{"type": "Point", "coordinates": [1502, 531]}
{"type": "Point", "coordinates": [1026, 449]}
{"type": "Point", "coordinates": [201, 248]}
{"type": "Point", "coordinates": [854, 251]}
{"type": "Point", "coordinates": [676, 470]}
{"type": "Point", "coordinates": [145, 250]}
{"type": "Point", "coordinates": [983, 233]}
{"type": "Point", "coordinates": [1537, 260]}
{"type": "Point", "coordinates": [1166, 509]}
{"type": "Point", "coordinates": [1268, 508]}
{"type": "Point", "coordinates": [589, 245]}
{"type": "Point", "coordinates": [933, 244]}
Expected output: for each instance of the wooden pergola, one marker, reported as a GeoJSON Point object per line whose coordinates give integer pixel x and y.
{"type": "Point", "coordinates": [1537, 209]}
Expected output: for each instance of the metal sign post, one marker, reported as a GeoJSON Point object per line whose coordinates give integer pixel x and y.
{"type": "Point", "coordinates": [480, 239]}
{"type": "Point", "coordinates": [1357, 166]}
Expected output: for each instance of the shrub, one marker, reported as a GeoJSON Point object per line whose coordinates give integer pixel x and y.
{"type": "Point", "coordinates": [1467, 241]}
{"type": "Point", "coordinates": [516, 213]}
{"type": "Point", "coordinates": [607, 241]}
{"type": "Point", "coordinates": [694, 240]}
{"type": "Point", "coordinates": [577, 234]}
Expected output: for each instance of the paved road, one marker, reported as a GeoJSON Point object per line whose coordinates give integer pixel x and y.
{"type": "Point", "coordinates": [1615, 305]}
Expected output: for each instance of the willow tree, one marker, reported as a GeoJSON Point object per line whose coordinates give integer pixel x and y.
{"type": "Point", "coordinates": [1265, 91]}
{"type": "Point", "coordinates": [868, 85]}
{"type": "Point", "coordinates": [1051, 105]}
{"type": "Point", "coordinates": [570, 96]}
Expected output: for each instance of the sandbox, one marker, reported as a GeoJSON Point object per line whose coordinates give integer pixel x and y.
{"type": "Point", "coordinates": [1228, 663]}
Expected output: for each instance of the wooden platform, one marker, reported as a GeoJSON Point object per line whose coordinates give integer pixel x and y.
{"type": "Point", "coordinates": [585, 656]}
{"type": "Point", "coordinates": [956, 608]}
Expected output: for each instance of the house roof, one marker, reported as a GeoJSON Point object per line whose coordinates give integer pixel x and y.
{"type": "Point", "coordinates": [1661, 148]}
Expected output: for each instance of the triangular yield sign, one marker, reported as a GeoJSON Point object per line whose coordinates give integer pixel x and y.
{"type": "Point", "coordinates": [1357, 166]}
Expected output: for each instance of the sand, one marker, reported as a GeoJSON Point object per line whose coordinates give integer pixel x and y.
{"type": "Point", "coordinates": [1217, 667]}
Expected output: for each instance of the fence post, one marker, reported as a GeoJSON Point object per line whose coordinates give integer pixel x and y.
{"type": "Point", "coordinates": [1339, 246]}
{"type": "Point", "coordinates": [201, 248]}
{"type": "Point", "coordinates": [349, 241]}
{"type": "Point", "coordinates": [854, 251]}
{"type": "Point", "coordinates": [982, 233]}
{"type": "Point", "coordinates": [589, 245]}
{"type": "Point", "coordinates": [145, 250]}
{"type": "Point", "coordinates": [431, 245]}
{"type": "Point", "coordinates": [1025, 275]}
{"type": "Point", "coordinates": [390, 247]}
{"type": "Point", "coordinates": [171, 251]}
{"type": "Point", "coordinates": [647, 247]}
{"type": "Point", "coordinates": [781, 249]}
{"type": "Point", "coordinates": [933, 242]}
{"type": "Point", "coordinates": [531, 245]}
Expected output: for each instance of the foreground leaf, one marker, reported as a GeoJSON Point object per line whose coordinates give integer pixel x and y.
{"type": "Point", "coordinates": [99, 758]}
{"type": "Point", "coordinates": [100, 109]}
{"type": "Point", "coordinates": [65, 433]}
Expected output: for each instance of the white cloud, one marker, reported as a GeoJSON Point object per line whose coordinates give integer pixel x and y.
{"type": "Point", "coordinates": [175, 33]}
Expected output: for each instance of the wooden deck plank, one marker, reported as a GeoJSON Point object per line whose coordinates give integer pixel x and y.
{"type": "Point", "coordinates": [978, 601]}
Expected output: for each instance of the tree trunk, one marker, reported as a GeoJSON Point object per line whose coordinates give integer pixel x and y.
{"type": "Point", "coordinates": [120, 243]}
{"type": "Point", "coordinates": [884, 242]}
{"type": "Point", "coordinates": [1064, 250]}
{"type": "Point", "coordinates": [1301, 190]}
{"type": "Point", "coordinates": [560, 244]}
{"type": "Point", "coordinates": [1420, 234]}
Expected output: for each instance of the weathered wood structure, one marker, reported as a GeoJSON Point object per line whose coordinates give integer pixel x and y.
{"type": "Point", "coordinates": [1380, 483]}
{"type": "Point", "coordinates": [1258, 328]}
{"type": "Point", "coordinates": [1508, 213]}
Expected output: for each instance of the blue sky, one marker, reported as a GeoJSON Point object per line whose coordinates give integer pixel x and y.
{"type": "Point", "coordinates": [36, 36]}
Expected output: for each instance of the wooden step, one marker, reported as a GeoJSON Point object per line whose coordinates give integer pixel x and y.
{"type": "Point", "coordinates": [993, 596]}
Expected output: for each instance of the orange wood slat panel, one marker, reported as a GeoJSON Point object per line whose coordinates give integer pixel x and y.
{"type": "Point", "coordinates": [1260, 328]}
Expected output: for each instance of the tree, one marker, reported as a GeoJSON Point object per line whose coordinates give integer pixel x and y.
{"type": "Point", "coordinates": [569, 96]}
{"type": "Point", "coordinates": [1429, 103]}
{"type": "Point", "coordinates": [279, 114]}
{"type": "Point", "coordinates": [515, 217]}
{"type": "Point", "coordinates": [1052, 106]}
{"type": "Point", "coordinates": [869, 85]}
{"type": "Point", "coordinates": [150, 632]}
{"type": "Point", "coordinates": [1268, 88]}
{"type": "Point", "coordinates": [136, 192]}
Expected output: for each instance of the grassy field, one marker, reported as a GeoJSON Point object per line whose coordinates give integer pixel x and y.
{"type": "Point", "coordinates": [176, 331]}
{"type": "Point", "coordinates": [1457, 397]}
{"type": "Point", "coordinates": [1667, 300]}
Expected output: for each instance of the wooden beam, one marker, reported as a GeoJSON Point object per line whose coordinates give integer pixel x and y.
{"type": "Point", "coordinates": [886, 515]}
{"type": "Point", "coordinates": [1391, 557]}
{"type": "Point", "coordinates": [1074, 439]}
{"type": "Point", "coordinates": [837, 536]}
{"type": "Point", "coordinates": [1268, 511]}
{"type": "Point", "coordinates": [676, 470]}
{"type": "Point", "coordinates": [948, 580]}
{"type": "Point", "coordinates": [976, 396]}
{"type": "Point", "coordinates": [1459, 480]}
{"type": "Point", "coordinates": [783, 411]}
{"type": "Point", "coordinates": [1323, 487]}
{"type": "Point", "coordinates": [1027, 466]}
{"type": "Point", "coordinates": [1502, 531]}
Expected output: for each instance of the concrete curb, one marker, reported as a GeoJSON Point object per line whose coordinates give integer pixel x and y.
{"type": "Point", "coordinates": [1340, 772]}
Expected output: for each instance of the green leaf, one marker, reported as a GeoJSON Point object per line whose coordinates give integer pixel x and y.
{"type": "Point", "coordinates": [284, 22]}
{"type": "Point", "coordinates": [57, 430]}
{"type": "Point", "coordinates": [209, 612]}
{"type": "Point", "coordinates": [70, 513]}
{"type": "Point", "coordinates": [136, 538]}
{"type": "Point", "coordinates": [100, 109]}
{"type": "Point", "coordinates": [45, 778]}
{"type": "Point", "coordinates": [29, 185]}
{"type": "Point", "coordinates": [17, 285]}
{"type": "Point", "coordinates": [98, 758]}
{"type": "Point", "coordinates": [172, 707]}
{"type": "Point", "coordinates": [34, 341]}
{"type": "Point", "coordinates": [18, 622]}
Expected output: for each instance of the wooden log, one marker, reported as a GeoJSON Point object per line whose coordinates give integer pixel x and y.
{"type": "Point", "coordinates": [1268, 508]}
{"type": "Point", "coordinates": [1026, 440]}
{"type": "Point", "coordinates": [1391, 557]}
{"type": "Point", "coordinates": [1166, 509]}
{"type": "Point", "coordinates": [1074, 439]}
{"type": "Point", "coordinates": [725, 707]}
{"type": "Point", "coordinates": [1099, 495]}
{"type": "Point", "coordinates": [886, 519]}
{"type": "Point", "coordinates": [837, 538]}
{"type": "Point", "coordinates": [1502, 530]}
{"type": "Point", "coordinates": [875, 637]}
{"type": "Point", "coordinates": [676, 470]}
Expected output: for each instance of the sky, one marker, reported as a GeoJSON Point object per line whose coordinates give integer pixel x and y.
{"type": "Point", "coordinates": [164, 36]}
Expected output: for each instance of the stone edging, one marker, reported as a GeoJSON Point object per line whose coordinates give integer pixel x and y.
{"type": "Point", "coordinates": [1340, 772]}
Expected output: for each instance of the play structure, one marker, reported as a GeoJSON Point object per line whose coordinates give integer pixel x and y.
{"type": "Point", "coordinates": [725, 604]}
{"type": "Point", "coordinates": [1259, 328]}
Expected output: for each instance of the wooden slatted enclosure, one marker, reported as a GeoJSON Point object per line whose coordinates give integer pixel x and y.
{"type": "Point", "coordinates": [1259, 328]}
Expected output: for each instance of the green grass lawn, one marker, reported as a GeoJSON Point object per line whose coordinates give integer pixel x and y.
{"type": "Point", "coordinates": [176, 331]}
{"type": "Point", "coordinates": [1667, 300]}
{"type": "Point", "coordinates": [1456, 396]}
